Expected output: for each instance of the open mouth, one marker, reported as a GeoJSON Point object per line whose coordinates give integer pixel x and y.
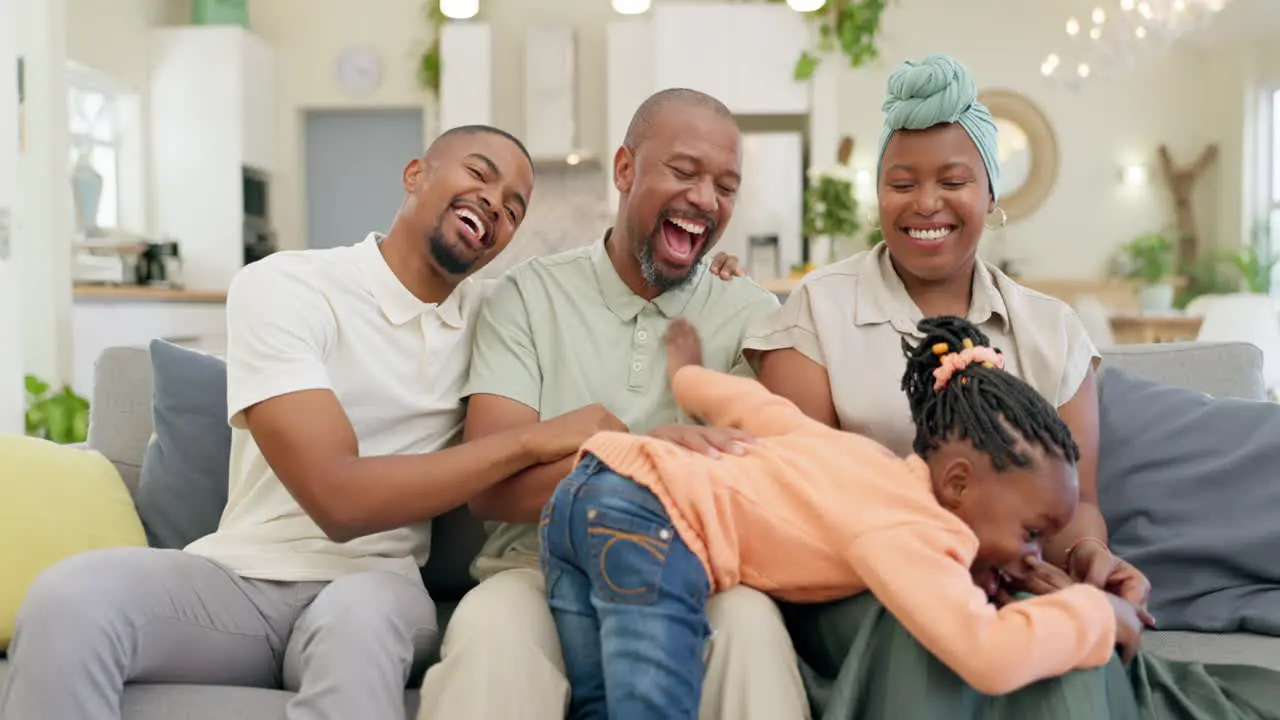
{"type": "Point", "coordinates": [475, 229]}
{"type": "Point", "coordinates": [683, 237]}
{"type": "Point", "coordinates": [930, 235]}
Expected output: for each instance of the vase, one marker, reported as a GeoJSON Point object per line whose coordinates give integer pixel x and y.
{"type": "Point", "coordinates": [86, 191]}
{"type": "Point", "coordinates": [822, 249]}
{"type": "Point", "coordinates": [1155, 298]}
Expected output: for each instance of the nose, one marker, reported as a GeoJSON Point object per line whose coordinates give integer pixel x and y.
{"type": "Point", "coordinates": [488, 199]}
{"type": "Point", "coordinates": [928, 199]}
{"type": "Point", "coordinates": [702, 195]}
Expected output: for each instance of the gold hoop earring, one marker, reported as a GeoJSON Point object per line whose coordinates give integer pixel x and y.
{"type": "Point", "coordinates": [1004, 219]}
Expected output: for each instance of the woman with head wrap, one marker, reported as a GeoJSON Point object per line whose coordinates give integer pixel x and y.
{"type": "Point", "coordinates": [840, 333]}
{"type": "Point", "coordinates": [836, 344]}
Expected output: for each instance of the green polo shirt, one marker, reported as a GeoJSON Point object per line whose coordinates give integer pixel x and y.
{"type": "Point", "coordinates": [563, 331]}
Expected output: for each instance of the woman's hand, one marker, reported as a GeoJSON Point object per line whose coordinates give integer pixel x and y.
{"type": "Point", "coordinates": [726, 267]}
{"type": "Point", "coordinates": [1095, 564]}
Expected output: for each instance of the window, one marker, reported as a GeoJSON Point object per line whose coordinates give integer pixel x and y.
{"type": "Point", "coordinates": [95, 148]}
{"type": "Point", "coordinates": [1273, 208]}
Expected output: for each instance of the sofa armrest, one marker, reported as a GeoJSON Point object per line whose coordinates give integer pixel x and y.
{"type": "Point", "coordinates": [1220, 369]}
{"type": "Point", "coordinates": [120, 422]}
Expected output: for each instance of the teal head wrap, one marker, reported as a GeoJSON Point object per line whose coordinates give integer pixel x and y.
{"type": "Point", "coordinates": [934, 91]}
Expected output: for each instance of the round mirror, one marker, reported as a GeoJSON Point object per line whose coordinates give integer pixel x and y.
{"type": "Point", "coordinates": [1014, 150]}
{"type": "Point", "coordinates": [1027, 149]}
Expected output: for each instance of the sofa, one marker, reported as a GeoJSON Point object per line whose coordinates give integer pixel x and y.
{"type": "Point", "coordinates": [121, 427]}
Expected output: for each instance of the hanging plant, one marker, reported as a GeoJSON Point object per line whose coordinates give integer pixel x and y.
{"type": "Point", "coordinates": [429, 63]}
{"type": "Point", "coordinates": [850, 26]}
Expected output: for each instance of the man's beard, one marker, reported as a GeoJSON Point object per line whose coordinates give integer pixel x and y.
{"type": "Point", "coordinates": [652, 272]}
{"type": "Point", "coordinates": [445, 256]}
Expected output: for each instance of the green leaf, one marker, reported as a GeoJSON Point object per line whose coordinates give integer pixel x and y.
{"type": "Point", "coordinates": [806, 65]}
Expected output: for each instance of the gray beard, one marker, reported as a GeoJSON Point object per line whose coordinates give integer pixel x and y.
{"type": "Point", "coordinates": [652, 273]}
{"type": "Point", "coordinates": [446, 257]}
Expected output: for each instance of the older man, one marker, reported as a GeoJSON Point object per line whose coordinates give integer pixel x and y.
{"type": "Point", "coordinates": [584, 327]}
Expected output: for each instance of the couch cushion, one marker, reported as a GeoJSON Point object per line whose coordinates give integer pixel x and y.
{"type": "Point", "coordinates": [55, 502]}
{"type": "Point", "coordinates": [183, 486]}
{"type": "Point", "coordinates": [1190, 488]}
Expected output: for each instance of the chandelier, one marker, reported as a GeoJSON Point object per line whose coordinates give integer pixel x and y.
{"type": "Point", "coordinates": [1118, 33]}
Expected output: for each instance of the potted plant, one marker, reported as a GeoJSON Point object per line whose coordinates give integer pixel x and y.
{"type": "Point", "coordinates": [1255, 262]}
{"type": "Point", "coordinates": [60, 416]}
{"type": "Point", "coordinates": [1149, 259]}
{"type": "Point", "coordinates": [830, 214]}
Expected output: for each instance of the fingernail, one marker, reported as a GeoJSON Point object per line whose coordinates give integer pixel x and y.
{"type": "Point", "coordinates": [712, 452]}
{"type": "Point", "coordinates": [738, 449]}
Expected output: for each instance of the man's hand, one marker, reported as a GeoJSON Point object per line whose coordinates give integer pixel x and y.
{"type": "Point", "coordinates": [710, 441]}
{"type": "Point", "coordinates": [683, 345]}
{"type": "Point", "coordinates": [726, 267]}
{"type": "Point", "coordinates": [561, 436]}
{"type": "Point", "coordinates": [1095, 564]}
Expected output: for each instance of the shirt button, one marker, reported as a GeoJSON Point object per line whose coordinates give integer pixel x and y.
{"type": "Point", "coordinates": [664, 534]}
{"type": "Point", "coordinates": [642, 335]}
{"type": "Point", "coordinates": [636, 366]}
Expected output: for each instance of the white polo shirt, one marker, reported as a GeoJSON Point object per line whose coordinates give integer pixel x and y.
{"type": "Point", "coordinates": [337, 320]}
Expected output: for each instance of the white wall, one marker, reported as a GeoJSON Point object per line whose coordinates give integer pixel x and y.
{"type": "Point", "coordinates": [11, 360]}
{"type": "Point", "coordinates": [1109, 123]}
{"type": "Point", "coordinates": [1185, 100]}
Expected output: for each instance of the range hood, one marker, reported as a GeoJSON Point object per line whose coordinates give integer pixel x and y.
{"type": "Point", "coordinates": [551, 96]}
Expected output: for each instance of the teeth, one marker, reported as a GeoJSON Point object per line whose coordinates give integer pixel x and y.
{"type": "Point", "coordinates": [472, 218]}
{"type": "Point", "coordinates": [932, 234]}
{"type": "Point", "coordinates": [688, 226]}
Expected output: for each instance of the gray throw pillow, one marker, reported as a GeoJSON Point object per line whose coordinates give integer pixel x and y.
{"type": "Point", "coordinates": [183, 486]}
{"type": "Point", "coordinates": [1190, 489]}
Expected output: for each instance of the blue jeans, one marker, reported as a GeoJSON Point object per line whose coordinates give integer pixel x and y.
{"type": "Point", "coordinates": [628, 598]}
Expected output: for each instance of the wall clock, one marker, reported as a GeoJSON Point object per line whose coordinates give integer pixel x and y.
{"type": "Point", "coordinates": [359, 69]}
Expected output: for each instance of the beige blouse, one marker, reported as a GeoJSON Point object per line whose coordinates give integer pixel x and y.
{"type": "Point", "coordinates": [851, 316]}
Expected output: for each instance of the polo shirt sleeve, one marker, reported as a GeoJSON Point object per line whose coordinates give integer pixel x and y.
{"type": "Point", "coordinates": [1081, 355]}
{"type": "Point", "coordinates": [504, 360]}
{"type": "Point", "coordinates": [790, 326]}
{"type": "Point", "coordinates": [279, 329]}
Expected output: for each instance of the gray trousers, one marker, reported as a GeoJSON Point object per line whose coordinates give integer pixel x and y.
{"type": "Point", "coordinates": [100, 619]}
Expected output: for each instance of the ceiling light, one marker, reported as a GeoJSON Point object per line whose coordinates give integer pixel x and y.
{"type": "Point", "coordinates": [459, 9]}
{"type": "Point", "coordinates": [630, 7]}
{"type": "Point", "coordinates": [806, 5]}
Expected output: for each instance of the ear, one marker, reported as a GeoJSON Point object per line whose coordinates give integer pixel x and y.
{"type": "Point", "coordinates": [413, 173]}
{"type": "Point", "coordinates": [624, 169]}
{"type": "Point", "coordinates": [955, 486]}
{"type": "Point", "coordinates": [991, 206]}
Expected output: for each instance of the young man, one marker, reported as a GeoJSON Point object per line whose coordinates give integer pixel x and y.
{"type": "Point", "coordinates": [345, 378]}
{"type": "Point", "coordinates": [582, 327]}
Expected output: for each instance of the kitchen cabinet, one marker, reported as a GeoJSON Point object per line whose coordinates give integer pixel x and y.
{"type": "Point", "coordinates": [213, 115]}
{"type": "Point", "coordinates": [103, 320]}
{"type": "Point", "coordinates": [744, 55]}
{"type": "Point", "coordinates": [466, 74]}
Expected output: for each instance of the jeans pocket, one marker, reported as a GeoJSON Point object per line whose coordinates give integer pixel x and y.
{"type": "Point", "coordinates": [629, 548]}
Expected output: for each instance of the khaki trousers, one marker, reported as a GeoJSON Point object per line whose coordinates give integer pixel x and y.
{"type": "Point", "coordinates": [501, 658]}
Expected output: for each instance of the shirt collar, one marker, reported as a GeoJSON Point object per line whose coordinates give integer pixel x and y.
{"type": "Point", "coordinates": [623, 302]}
{"type": "Point", "coordinates": [396, 302]}
{"type": "Point", "coordinates": [885, 299]}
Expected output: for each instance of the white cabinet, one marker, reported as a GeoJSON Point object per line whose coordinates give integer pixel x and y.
{"type": "Point", "coordinates": [466, 74]}
{"type": "Point", "coordinates": [742, 54]}
{"type": "Point", "coordinates": [213, 114]}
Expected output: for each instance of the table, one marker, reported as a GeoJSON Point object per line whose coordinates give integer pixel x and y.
{"type": "Point", "coordinates": [1137, 328]}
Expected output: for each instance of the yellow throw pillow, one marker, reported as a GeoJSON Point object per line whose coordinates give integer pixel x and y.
{"type": "Point", "coordinates": [55, 501]}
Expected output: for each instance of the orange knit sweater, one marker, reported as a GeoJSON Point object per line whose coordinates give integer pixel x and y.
{"type": "Point", "coordinates": [811, 513]}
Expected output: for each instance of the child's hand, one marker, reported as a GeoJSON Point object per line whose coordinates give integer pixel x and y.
{"type": "Point", "coordinates": [1041, 578]}
{"type": "Point", "coordinates": [683, 345]}
{"type": "Point", "coordinates": [1128, 627]}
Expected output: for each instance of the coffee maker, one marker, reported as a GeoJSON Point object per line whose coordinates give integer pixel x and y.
{"type": "Point", "coordinates": [160, 265]}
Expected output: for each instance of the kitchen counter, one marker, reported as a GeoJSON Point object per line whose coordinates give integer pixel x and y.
{"type": "Point", "coordinates": [136, 293]}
